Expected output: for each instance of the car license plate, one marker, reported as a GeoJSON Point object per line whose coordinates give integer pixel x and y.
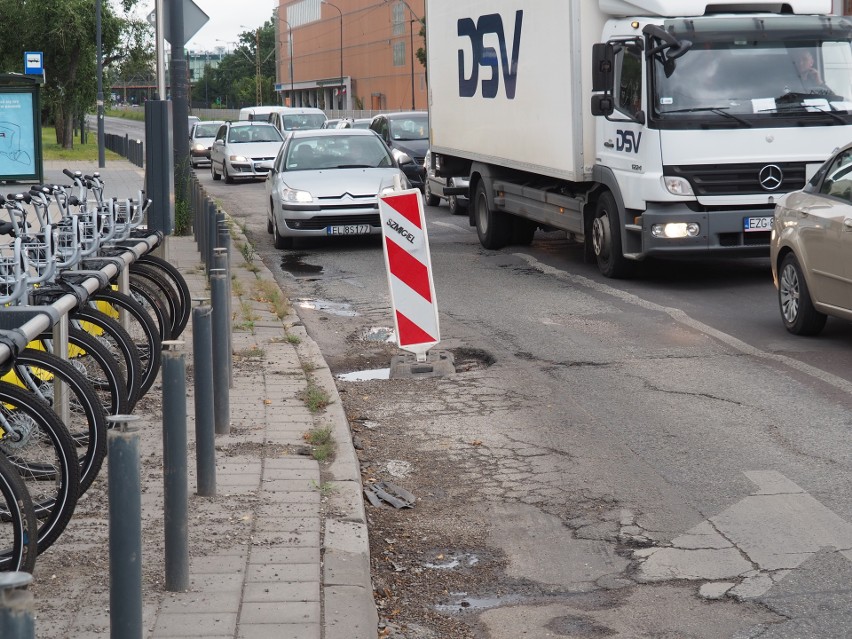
{"type": "Point", "coordinates": [763, 223]}
{"type": "Point", "coordinates": [349, 229]}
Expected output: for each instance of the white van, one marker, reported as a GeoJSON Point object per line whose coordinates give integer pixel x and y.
{"type": "Point", "coordinates": [259, 113]}
{"type": "Point", "coordinates": [296, 118]}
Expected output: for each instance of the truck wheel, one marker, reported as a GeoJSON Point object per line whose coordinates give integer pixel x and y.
{"type": "Point", "coordinates": [453, 201]}
{"type": "Point", "coordinates": [493, 227]}
{"type": "Point", "coordinates": [523, 231]}
{"type": "Point", "coordinates": [606, 239]}
{"type": "Point", "coordinates": [431, 200]}
{"type": "Point", "coordinates": [797, 310]}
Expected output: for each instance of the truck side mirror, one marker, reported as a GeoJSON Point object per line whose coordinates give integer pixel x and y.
{"type": "Point", "coordinates": [602, 105]}
{"type": "Point", "coordinates": [603, 56]}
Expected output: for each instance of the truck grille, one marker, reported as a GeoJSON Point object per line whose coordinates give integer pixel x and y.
{"type": "Point", "coordinates": [737, 179]}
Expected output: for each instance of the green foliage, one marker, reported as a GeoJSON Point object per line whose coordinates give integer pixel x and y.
{"type": "Point", "coordinates": [64, 30]}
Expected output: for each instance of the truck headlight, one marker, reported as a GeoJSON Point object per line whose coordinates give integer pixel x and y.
{"type": "Point", "coordinates": [675, 230]}
{"type": "Point", "coordinates": [677, 185]}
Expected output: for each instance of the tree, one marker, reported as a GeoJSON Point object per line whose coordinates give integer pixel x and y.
{"type": "Point", "coordinates": [64, 30]}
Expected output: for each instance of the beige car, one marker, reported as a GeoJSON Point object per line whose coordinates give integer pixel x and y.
{"type": "Point", "coordinates": [811, 248]}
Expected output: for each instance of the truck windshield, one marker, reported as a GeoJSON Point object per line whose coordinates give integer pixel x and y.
{"type": "Point", "coordinates": [756, 77]}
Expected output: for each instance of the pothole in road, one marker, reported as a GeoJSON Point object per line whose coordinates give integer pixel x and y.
{"type": "Point", "coordinates": [450, 561]}
{"type": "Point", "coordinates": [342, 309]}
{"type": "Point", "coordinates": [471, 359]}
{"type": "Point", "coordinates": [293, 263]}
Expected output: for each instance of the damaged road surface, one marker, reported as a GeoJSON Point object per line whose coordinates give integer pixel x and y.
{"type": "Point", "coordinates": [648, 458]}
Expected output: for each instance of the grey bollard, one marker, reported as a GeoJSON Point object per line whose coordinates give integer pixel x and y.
{"type": "Point", "coordinates": [221, 356]}
{"type": "Point", "coordinates": [220, 261]}
{"type": "Point", "coordinates": [125, 529]}
{"type": "Point", "coordinates": [16, 606]}
{"type": "Point", "coordinates": [175, 491]}
{"type": "Point", "coordinates": [205, 428]}
{"type": "Point", "coordinates": [211, 235]}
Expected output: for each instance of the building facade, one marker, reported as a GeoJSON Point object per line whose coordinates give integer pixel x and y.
{"type": "Point", "coordinates": [350, 54]}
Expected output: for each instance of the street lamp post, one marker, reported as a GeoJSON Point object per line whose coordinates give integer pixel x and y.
{"type": "Point", "coordinates": [341, 47]}
{"type": "Point", "coordinates": [100, 96]}
{"type": "Point", "coordinates": [411, 55]}
{"type": "Point", "coordinates": [290, 56]}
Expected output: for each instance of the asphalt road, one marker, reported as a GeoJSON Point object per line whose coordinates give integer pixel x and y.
{"type": "Point", "coordinates": [685, 438]}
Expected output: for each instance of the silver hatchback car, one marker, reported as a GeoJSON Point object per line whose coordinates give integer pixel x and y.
{"type": "Point", "coordinates": [811, 248]}
{"type": "Point", "coordinates": [327, 182]}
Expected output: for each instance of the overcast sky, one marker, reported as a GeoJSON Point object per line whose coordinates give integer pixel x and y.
{"type": "Point", "coordinates": [226, 18]}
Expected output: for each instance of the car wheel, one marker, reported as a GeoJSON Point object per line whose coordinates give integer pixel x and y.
{"type": "Point", "coordinates": [269, 217]}
{"type": "Point", "coordinates": [225, 174]}
{"type": "Point", "coordinates": [431, 200]}
{"type": "Point", "coordinates": [606, 239]}
{"type": "Point", "coordinates": [216, 176]}
{"type": "Point", "coordinates": [281, 242]}
{"type": "Point", "coordinates": [794, 299]}
{"type": "Point", "coordinates": [494, 228]}
{"type": "Point", "coordinates": [453, 201]}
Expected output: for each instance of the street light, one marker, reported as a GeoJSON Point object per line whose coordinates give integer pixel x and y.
{"type": "Point", "coordinates": [290, 55]}
{"type": "Point", "coordinates": [341, 46]}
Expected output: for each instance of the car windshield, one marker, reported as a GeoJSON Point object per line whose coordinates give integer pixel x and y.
{"type": "Point", "coordinates": [206, 130]}
{"type": "Point", "coordinates": [747, 79]}
{"type": "Point", "coordinates": [415, 127]}
{"type": "Point", "coordinates": [303, 121]}
{"type": "Point", "coordinates": [337, 152]}
{"type": "Point", "coordinates": [254, 133]}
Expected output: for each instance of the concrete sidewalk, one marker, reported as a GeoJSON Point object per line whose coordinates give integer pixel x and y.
{"type": "Point", "coordinates": [282, 550]}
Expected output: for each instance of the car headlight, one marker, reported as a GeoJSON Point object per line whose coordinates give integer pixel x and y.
{"type": "Point", "coordinates": [677, 185]}
{"type": "Point", "coordinates": [198, 147]}
{"type": "Point", "coordinates": [238, 158]}
{"type": "Point", "coordinates": [295, 196]}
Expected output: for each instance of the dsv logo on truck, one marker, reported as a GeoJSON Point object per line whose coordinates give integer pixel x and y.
{"type": "Point", "coordinates": [487, 56]}
{"type": "Point", "coordinates": [628, 141]}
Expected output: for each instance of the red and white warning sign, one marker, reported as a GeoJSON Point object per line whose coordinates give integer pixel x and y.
{"type": "Point", "coordinates": [409, 270]}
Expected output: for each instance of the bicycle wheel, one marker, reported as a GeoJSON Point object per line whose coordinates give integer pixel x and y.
{"type": "Point", "coordinates": [178, 282]}
{"type": "Point", "coordinates": [142, 328]}
{"type": "Point", "coordinates": [38, 372]}
{"type": "Point", "coordinates": [157, 291]}
{"type": "Point", "coordinates": [119, 343]}
{"type": "Point", "coordinates": [39, 447]}
{"type": "Point", "coordinates": [98, 366]}
{"type": "Point", "coordinates": [18, 523]}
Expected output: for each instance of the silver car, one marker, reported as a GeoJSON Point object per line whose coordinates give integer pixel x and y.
{"type": "Point", "coordinates": [811, 248]}
{"type": "Point", "coordinates": [327, 183]}
{"type": "Point", "coordinates": [244, 150]}
{"type": "Point", "coordinates": [201, 136]}
{"type": "Point", "coordinates": [436, 185]}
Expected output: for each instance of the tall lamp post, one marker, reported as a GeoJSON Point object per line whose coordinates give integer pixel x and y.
{"type": "Point", "coordinates": [100, 96]}
{"type": "Point", "coordinates": [341, 46]}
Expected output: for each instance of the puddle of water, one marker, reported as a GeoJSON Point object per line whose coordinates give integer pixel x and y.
{"type": "Point", "coordinates": [292, 263]}
{"type": "Point", "coordinates": [464, 603]}
{"type": "Point", "coordinates": [454, 561]}
{"type": "Point", "coordinates": [363, 376]}
{"type": "Point", "coordinates": [332, 308]}
{"type": "Point", "coordinates": [380, 334]}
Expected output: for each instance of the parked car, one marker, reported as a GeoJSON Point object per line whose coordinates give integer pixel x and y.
{"type": "Point", "coordinates": [811, 248]}
{"type": "Point", "coordinates": [435, 185]}
{"type": "Point", "coordinates": [407, 136]}
{"type": "Point", "coordinates": [331, 123]}
{"type": "Point", "coordinates": [201, 136]}
{"type": "Point", "coordinates": [327, 183]}
{"type": "Point", "coordinates": [244, 149]}
{"type": "Point", "coordinates": [356, 123]}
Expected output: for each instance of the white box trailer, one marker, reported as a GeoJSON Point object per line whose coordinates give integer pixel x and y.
{"type": "Point", "coordinates": [643, 128]}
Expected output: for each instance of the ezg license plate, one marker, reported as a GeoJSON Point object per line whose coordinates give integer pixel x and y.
{"type": "Point", "coordinates": [763, 223]}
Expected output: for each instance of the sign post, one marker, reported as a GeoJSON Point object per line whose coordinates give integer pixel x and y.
{"type": "Point", "coordinates": [412, 290]}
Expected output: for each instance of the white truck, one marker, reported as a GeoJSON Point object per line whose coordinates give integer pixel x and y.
{"type": "Point", "coordinates": [644, 128]}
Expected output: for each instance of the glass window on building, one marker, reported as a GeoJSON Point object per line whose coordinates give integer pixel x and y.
{"type": "Point", "coordinates": [399, 53]}
{"type": "Point", "coordinates": [398, 19]}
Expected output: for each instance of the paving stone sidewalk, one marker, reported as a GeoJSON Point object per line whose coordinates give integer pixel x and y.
{"type": "Point", "coordinates": [282, 550]}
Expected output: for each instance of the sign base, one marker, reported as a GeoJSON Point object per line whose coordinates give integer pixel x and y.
{"type": "Point", "coordinates": [437, 364]}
